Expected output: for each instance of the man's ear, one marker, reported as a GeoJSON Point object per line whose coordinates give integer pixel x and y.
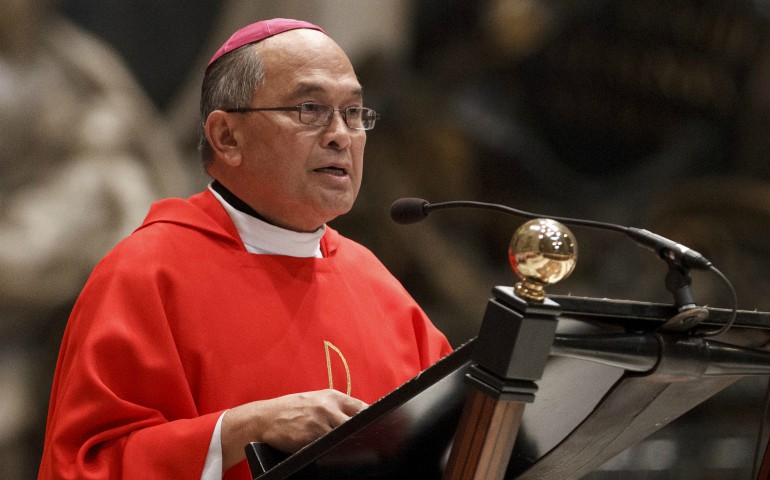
{"type": "Point", "coordinates": [220, 131]}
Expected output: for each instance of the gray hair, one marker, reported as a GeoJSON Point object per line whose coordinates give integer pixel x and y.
{"type": "Point", "coordinates": [229, 82]}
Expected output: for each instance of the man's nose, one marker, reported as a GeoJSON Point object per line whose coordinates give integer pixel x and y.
{"type": "Point", "coordinates": [338, 133]}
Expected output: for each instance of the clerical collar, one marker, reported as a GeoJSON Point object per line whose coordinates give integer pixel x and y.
{"type": "Point", "coordinates": [261, 237]}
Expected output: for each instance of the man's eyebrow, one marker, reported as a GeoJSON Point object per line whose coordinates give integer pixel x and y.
{"type": "Point", "coordinates": [310, 88]}
{"type": "Point", "coordinates": [306, 88]}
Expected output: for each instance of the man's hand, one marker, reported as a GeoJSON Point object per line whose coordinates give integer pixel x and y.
{"type": "Point", "coordinates": [287, 423]}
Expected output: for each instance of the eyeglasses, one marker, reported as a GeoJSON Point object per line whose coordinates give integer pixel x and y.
{"type": "Point", "coordinates": [357, 118]}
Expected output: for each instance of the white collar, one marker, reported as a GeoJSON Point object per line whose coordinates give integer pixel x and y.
{"type": "Point", "coordinates": [263, 238]}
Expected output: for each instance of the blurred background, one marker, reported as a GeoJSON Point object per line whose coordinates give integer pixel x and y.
{"type": "Point", "coordinates": [654, 114]}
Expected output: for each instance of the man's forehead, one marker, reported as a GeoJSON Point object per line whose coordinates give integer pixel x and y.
{"type": "Point", "coordinates": [292, 73]}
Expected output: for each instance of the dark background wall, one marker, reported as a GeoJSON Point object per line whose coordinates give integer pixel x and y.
{"type": "Point", "coordinates": [653, 114]}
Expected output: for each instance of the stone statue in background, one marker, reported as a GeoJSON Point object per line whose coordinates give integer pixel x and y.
{"type": "Point", "coordinates": [82, 155]}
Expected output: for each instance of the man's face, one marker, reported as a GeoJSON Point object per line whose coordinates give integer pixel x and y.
{"type": "Point", "coordinates": [300, 176]}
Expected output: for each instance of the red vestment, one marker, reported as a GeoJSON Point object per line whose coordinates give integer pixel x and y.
{"type": "Point", "coordinates": [179, 323]}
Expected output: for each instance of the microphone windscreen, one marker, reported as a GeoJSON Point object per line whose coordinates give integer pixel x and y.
{"type": "Point", "coordinates": [408, 210]}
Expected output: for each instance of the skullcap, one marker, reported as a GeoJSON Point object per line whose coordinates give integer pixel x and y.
{"type": "Point", "coordinates": [259, 31]}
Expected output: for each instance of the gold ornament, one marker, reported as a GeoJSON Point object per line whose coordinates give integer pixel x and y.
{"type": "Point", "coordinates": [542, 252]}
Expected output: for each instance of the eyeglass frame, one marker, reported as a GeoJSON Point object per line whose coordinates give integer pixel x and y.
{"type": "Point", "coordinates": [298, 109]}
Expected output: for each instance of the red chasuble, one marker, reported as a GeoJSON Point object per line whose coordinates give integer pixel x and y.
{"type": "Point", "coordinates": [179, 323]}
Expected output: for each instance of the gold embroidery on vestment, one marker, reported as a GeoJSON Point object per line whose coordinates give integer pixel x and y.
{"type": "Point", "coordinates": [329, 345]}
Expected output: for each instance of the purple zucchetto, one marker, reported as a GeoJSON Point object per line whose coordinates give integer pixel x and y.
{"type": "Point", "coordinates": [259, 31]}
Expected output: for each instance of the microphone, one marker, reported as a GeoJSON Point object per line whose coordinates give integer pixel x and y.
{"type": "Point", "coordinates": [406, 211]}
{"type": "Point", "coordinates": [412, 210]}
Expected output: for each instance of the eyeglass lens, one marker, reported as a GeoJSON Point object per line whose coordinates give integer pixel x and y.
{"type": "Point", "coordinates": [319, 114]}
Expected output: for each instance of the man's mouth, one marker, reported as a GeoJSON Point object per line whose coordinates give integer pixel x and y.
{"type": "Point", "coordinates": [336, 171]}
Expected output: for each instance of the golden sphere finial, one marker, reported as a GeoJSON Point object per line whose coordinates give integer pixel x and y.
{"type": "Point", "coordinates": [542, 252]}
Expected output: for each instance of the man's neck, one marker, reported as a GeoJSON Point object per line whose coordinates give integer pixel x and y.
{"type": "Point", "coordinates": [236, 202]}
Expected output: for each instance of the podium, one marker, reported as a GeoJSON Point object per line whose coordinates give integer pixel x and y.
{"type": "Point", "coordinates": [553, 386]}
{"type": "Point", "coordinates": [547, 390]}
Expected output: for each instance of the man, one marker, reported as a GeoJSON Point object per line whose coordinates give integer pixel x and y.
{"type": "Point", "coordinates": [238, 315]}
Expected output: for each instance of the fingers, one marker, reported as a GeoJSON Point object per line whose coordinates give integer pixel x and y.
{"type": "Point", "coordinates": [333, 406]}
{"type": "Point", "coordinates": [346, 404]}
